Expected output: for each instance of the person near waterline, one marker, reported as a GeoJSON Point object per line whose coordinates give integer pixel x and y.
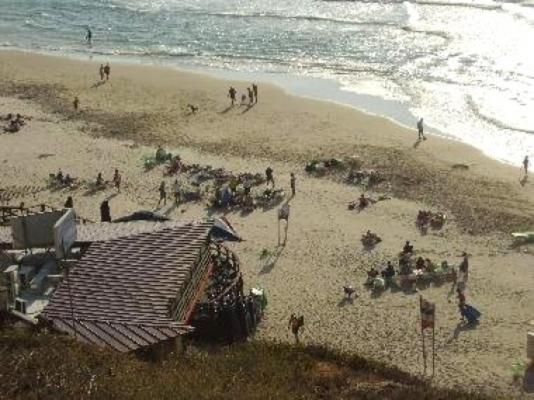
{"type": "Point", "coordinates": [255, 90]}
{"type": "Point", "coordinates": [89, 35]}
{"type": "Point", "coordinates": [525, 165]}
{"type": "Point", "coordinates": [250, 96]}
{"type": "Point", "coordinates": [107, 71]}
{"type": "Point", "coordinates": [420, 128]}
{"type": "Point", "coordinates": [231, 93]}
{"type": "Point", "coordinates": [101, 70]}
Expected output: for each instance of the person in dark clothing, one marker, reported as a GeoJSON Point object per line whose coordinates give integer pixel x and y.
{"type": "Point", "coordinates": [89, 35]}
{"type": "Point", "coordinates": [255, 90]}
{"type": "Point", "coordinates": [389, 271]}
{"type": "Point", "coordinates": [408, 248]}
{"type": "Point", "coordinates": [105, 212]}
{"type": "Point", "coordinates": [231, 93]}
{"type": "Point", "coordinates": [269, 175]}
{"type": "Point", "coordinates": [107, 71]}
{"type": "Point", "coordinates": [69, 203]}
{"type": "Point", "coordinates": [250, 96]}
{"type": "Point", "coordinates": [293, 186]}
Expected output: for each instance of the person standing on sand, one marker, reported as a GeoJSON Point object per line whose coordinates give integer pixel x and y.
{"type": "Point", "coordinates": [420, 134]}
{"type": "Point", "coordinates": [255, 90]}
{"type": "Point", "coordinates": [250, 96]}
{"type": "Point", "coordinates": [117, 180]}
{"type": "Point", "coordinates": [162, 193]}
{"type": "Point", "coordinates": [525, 165]}
{"type": "Point", "coordinates": [107, 71]}
{"type": "Point", "coordinates": [76, 103]}
{"type": "Point", "coordinates": [231, 93]}
{"type": "Point", "coordinates": [292, 182]}
{"type": "Point", "coordinates": [105, 212]}
{"type": "Point", "coordinates": [101, 72]}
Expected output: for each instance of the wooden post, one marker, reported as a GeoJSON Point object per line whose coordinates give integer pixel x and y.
{"type": "Point", "coordinates": [422, 333]}
{"type": "Point", "coordinates": [434, 344]}
{"type": "Point", "coordinates": [278, 222]}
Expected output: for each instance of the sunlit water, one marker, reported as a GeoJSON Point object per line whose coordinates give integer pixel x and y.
{"type": "Point", "coordinates": [467, 67]}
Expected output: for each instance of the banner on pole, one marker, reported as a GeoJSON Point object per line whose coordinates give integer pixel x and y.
{"type": "Point", "coordinates": [428, 311]}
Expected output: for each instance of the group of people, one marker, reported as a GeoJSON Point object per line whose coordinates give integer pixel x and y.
{"type": "Point", "coordinates": [63, 180]}
{"type": "Point", "coordinates": [428, 218]}
{"type": "Point", "coordinates": [100, 183]}
{"type": "Point", "coordinates": [13, 123]}
{"type": "Point", "coordinates": [252, 94]}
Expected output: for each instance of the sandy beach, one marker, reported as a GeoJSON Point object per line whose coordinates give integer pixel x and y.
{"type": "Point", "coordinates": [141, 107]}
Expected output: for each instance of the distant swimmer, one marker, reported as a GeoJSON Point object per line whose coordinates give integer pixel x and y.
{"type": "Point", "coordinates": [89, 35]}
{"type": "Point", "coordinates": [420, 130]}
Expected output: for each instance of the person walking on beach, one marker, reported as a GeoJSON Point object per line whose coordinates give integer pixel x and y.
{"type": "Point", "coordinates": [250, 96]}
{"type": "Point", "coordinates": [255, 90]}
{"type": "Point", "coordinates": [231, 93]}
{"type": "Point", "coordinates": [525, 165]}
{"type": "Point", "coordinates": [162, 193]}
{"type": "Point", "coordinates": [420, 134]}
{"type": "Point", "coordinates": [107, 71]}
{"type": "Point", "coordinates": [101, 70]}
{"type": "Point", "coordinates": [76, 103]}
{"type": "Point", "coordinates": [89, 35]}
{"type": "Point", "coordinates": [117, 180]}
{"type": "Point", "coordinates": [292, 182]}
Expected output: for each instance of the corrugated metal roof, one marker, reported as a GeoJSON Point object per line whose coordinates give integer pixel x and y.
{"type": "Point", "coordinates": [99, 232]}
{"type": "Point", "coordinates": [122, 290]}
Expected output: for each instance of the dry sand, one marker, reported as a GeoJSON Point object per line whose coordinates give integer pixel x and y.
{"type": "Point", "coordinates": [142, 106]}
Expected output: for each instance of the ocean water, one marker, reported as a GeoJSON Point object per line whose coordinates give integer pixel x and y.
{"type": "Point", "coordinates": [467, 67]}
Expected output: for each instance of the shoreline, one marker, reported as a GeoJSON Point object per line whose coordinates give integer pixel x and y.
{"type": "Point", "coordinates": [322, 90]}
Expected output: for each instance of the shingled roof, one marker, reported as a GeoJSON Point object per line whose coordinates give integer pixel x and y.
{"type": "Point", "coordinates": [121, 290]}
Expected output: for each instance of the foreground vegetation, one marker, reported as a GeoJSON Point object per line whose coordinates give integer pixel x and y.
{"type": "Point", "coordinates": [45, 366]}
